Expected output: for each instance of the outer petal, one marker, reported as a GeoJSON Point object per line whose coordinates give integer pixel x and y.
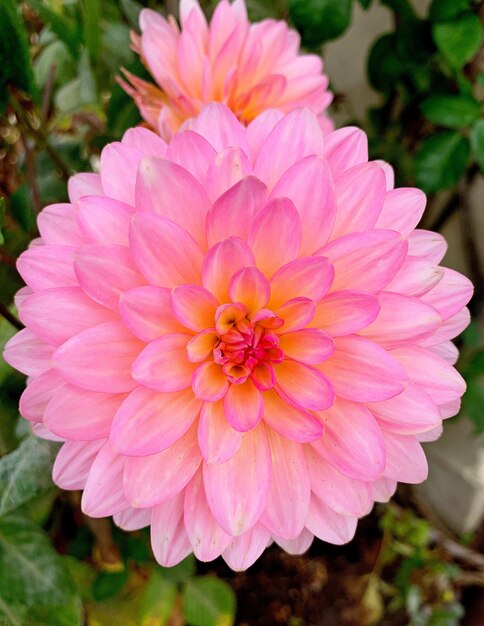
{"type": "Point", "coordinates": [132, 519]}
{"type": "Point", "coordinates": [148, 422]}
{"type": "Point", "coordinates": [156, 243]}
{"type": "Point", "coordinates": [217, 439]}
{"type": "Point", "coordinates": [328, 525]}
{"type": "Point", "coordinates": [58, 226]}
{"type": "Point", "coordinates": [247, 548]}
{"type": "Point", "coordinates": [416, 277]}
{"type": "Point", "coordinates": [352, 442]}
{"type": "Point", "coordinates": [192, 152]}
{"type": "Point", "coordinates": [163, 365]}
{"type": "Point", "coordinates": [345, 148]}
{"type": "Point", "coordinates": [342, 494]}
{"type": "Point", "coordinates": [365, 261]}
{"type": "Point", "coordinates": [78, 414]}
{"type": "Point", "coordinates": [450, 328]}
{"type": "Point", "coordinates": [205, 535]}
{"type": "Point", "coordinates": [44, 267]}
{"type": "Point", "coordinates": [289, 494]}
{"type": "Point", "coordinates": [99, 359]}
{"type": "Point", "coordinates": [345, 312]}
{"type": "Point", "coordinates": [237, 490]}
{"type": "Point", "coordinates": [402, 210]}
{"type": "Point", "coordinates": [73, 462]}
{"type": "Point", "coordinates": [427, 245]}
{"type": "Point", "coordinates": [28, 354]}
{"type": "Point", "coordinates": [227, 169]}
{"type": "Point", "coordinates": [406, 460]}
{"type": "Point", "coordinates": [308, 183]}
{"type": "Point", "coordinates": [169, 539]}
{"type": "Point", "coordinates": [103, 494]}
{"type": "Point", "coordinates": [299, 545]}
{"type": "Point", "coordinates": [85, 184]}
{"type": "Point", "coordinates": [165, 188]}
{"type": "Point", "coordinates": [38, 393]}
{"type": "Point", "coordinates": [104, 220]}
{"type": "Point", "coordinates": [290, 422]}
{"type": "Point", "coordinates": [151, 480]}
{"type": "Point", "coordinates": [451, 294]}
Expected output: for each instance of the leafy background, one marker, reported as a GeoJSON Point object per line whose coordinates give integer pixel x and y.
{"type": "Point", "coordinates": [59, 105]}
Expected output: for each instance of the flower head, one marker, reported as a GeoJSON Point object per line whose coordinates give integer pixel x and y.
{"type": "Point", "coordinates": [249, 67]}
{"type": "Point", "coordinates": [239, 335]}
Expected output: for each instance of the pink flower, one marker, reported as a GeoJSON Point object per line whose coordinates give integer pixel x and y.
{"type": "Point", "coordinates": [239, 335]}
{"type": "Point", "coordinates": [249, 67]}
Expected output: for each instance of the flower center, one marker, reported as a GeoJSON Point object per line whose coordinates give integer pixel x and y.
{"type": "Point", "coordinates": [246, 346]}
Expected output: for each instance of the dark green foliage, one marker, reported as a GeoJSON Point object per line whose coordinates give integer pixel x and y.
{"type": "Point", "coordinates": [320, 20]}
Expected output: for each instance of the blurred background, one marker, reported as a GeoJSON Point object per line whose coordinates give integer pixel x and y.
{"type": "Point", "coordinates": [409, 73]}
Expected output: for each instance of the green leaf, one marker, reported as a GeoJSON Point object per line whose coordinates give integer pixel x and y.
{"type": "Point", "coordinates": [441, 10]}
{"type": "Point", "coordinates": [131, 10]}
{"type": "Point", "coordinates": [452, 111]}
{"type": "Point", "coordinates": [208, 601]}
{"type": "Point", "coordinates": [458, 40]}
{"type": "Point", "coordinates": [21, 208]}
{"type": "Point", "coordinates": [15, 62]}
{"type": "Point", "coordinates": [54, 54]}
{"type": "Point", "coordinates": [25, 473]}
{"type": "Point", "coordinates": [365, 3]}
{"type": "Point", "coordinates": [35, 586]}
{"type": "Point", "coordinates": [477, 142]}
{"type": "Point", "coordinates": [320, 20]}
{"type": "Point", "coordinates": [64, 27]}
{"type": "Point", "coordinates": [91, 13]}
{"type": "Point", "coordinates": [441, 161]}
{"type": "Point", "coordinates": [384, 66]}
{"type": "Point", "coordinates": [158, 600]}
{"type": "Point", "coordinates": [108, 584]}
{"type": "Point", "coordinates": [181, 572]}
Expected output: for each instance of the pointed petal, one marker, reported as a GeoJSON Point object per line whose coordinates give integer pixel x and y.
{"type": "Point", "coordinates": [38, 394]}
{"type": "Point", "coordinates": [406, 460]}
{"type": "Point", "coordinates": [299, 545]}
{"type": "Point", "coordinates": [251, 287]}
{"type": "Point", "coordinates": [345, 148]}
{"type": "Point", "coordinates": [416, 277]}
{"type": "Point", "coordinates": [73, 462]}
{"type": "Point", "coordinates": [328, 525]}
{"type": "Point", "coordinates": [243, 406]}
{"type": "Point", "coordinates": [427, 245]}
{"type": "Point", "coordinates": [345, 312]}
{"type": "Point", "coordinates": [103, 494]}
{"type": "Point", "coordinates": [28, 354]}
{"type": "Point", "coordinates": [192, 152]}
{"type": "Point", "coordinates": [44, 267]}
{"type": "Point", "coordinates": [247, 548]}
{"type": "Point", "coordinates": [451, 294]}
{"type": "Point", "coordinates": [221, 263]}
{"type": "Point", "coordinates": [402, 210]}
{"type": "Point", "coordinates": [58, 225]}
{"type": "Point", "coordinates": [217, 439]}
{"type": "Point", "coordinates": [85, 184]}
{"type": "Point", "coordinates": [104, 220]}
{"type": "Point", "coordinates": [227, 169]}
{"type": "Point", "coordinates": [132, 519]}
{"type": "Point", "coordinates": [310, 345]}
{"type": "Point", "coordinates": [169, 539]}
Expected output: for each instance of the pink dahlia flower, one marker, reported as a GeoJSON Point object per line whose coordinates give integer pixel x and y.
{"type": "Point", "coordinates": [249, 67]}
{"type": "Point", "coordinates": [239, 336]}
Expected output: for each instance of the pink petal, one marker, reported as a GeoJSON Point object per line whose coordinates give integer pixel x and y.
{"type": "Point", "coordinates": [439, 379]}
{"type": "Point", "coordinates": [247, 548]}
{"type": "Point", "coordinates": [299, 545]}
{"type": "Point", "coordinates": [73, 462]}
{"type": "Point", "coordinates": [450, 328]}
{"type": "Point", "coordinates": [37, 395]}
{"type": "Point", "coordinates": [194, 307]}
{"type": "Point", "coordinates": [227, 169]}
{"type": "Point", "coordinates": [163, 364]}
{"type": "Point", "coordinates": [359, 192]}
{"type": "Point", "coordinates": [383, 489]}
{"type": "Point", "coordinates": [206, 536]}
{"type": "Point", "coordinates": [402, 320]}
{"type": "Point", "coordinates": [427, 245]}
{"type": "Point", "coordinates": [28, 354]}
{"type": "Point", "coordinates": [352, 442]}
{"type": "Point", "coordinates": [447, 351]}
{"type": "Point", "coordinates": [344, 312]}
{"type": "Point", "coordinates": [221, 263]}
{"type": "Point", "coordinates": [308, 277]}
{"type": "Point", "coordinates": [105, 272]}
{"type": "Point", "coordinates": [209, 382]}
{"type": "Point", "coordinates": [406, 460]}
{"type": "Point", "coordinates": [148, 422]}
{"type": "Point", "coordinates": [145, 140]}
{"type": "Point", "coordinates": [289, 493]}
{"type": "Point", "coordinates": [296, 313]}
{"type": "Point", "coordinates": [147, 312]}
{"type": "Point", "coordinates": [451, 294]}
{"type": "Point", "coordinates": [182, 201]}
{"type": "Point", "coordinates": [339, 492]}
{"type": "Point", "coordinates": [201, 346]}
{"type": "Point", "coordinates": [220, 127]}
{"type": "Point", "coordinates": [58, 226]}
{"type": "Point", "coordinates": [119, 164]}
{"type": "Point", "coordinates": [85, 184]}
{"type": "Point", "coordinates": [132, 519]}
{"type": "Point", "coordinates": [103, 494]}
{"type": "Point", "coordinates": [260, 128]}
{"type": "Point", "coordinates": [303, 386]}
{"type": "Point", "coordinates": [237, 490]}
{"type": "Point", "coordinates": [156, 243]}
{"type": "Point", "coordinates": [151, 480]}
{"type": "Point", "coordinates": [251, 287]}
{"type": "Point", "coordinates": [192, 152]}
{"type": "Point", "coordinates": [217, 439]}
{"type": "Point", "coordinates": [44, 267]}
{"type": "Point", "coordinates": [99, 358]}
{"type": "Point", "coordinates": [365, 261]}
{"type": "Point", "coordinates": [328, 525]}
{"type": "Point", "coordinates": [55, 315]}
{"type": "Point", "coordinates": [402, 210]}
{"type": "Point", "coordinates": [362, 371]}
{"type": "Point", "coordinates": [309, 185]}
{"type": "Point", "coordinates": [233, 213]}
{"type": "Point", "coordinates": [310, 345]}
{"type": "Point", "coordinates": [412, 411]}
{"type": "Point", "coordinates": [104, 220]}
{"type": "Point", "coordinates": [275, 235]}
{"type": "Point", "coordinates": [243, 406]}
{"type": "Point", "coordinates": [169, 539]}
{"type": "Point", "coordinates": [78, 414]}
{"type": "Point", "coordinates": [345, 148]}
{"type": "Point", "coordinates": [296, 136]}
{"type": "Point", "coordinates": [289, 421]}
{"type": "Point", "coordinates": [416, 277]}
